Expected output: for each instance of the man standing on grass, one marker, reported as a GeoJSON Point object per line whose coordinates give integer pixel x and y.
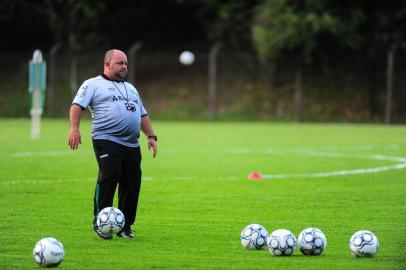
{"type": "Point", "coordinates": [118, 115]}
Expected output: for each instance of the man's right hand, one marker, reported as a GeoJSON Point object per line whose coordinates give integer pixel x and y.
{"type": "Point", "coordinates": [74, 139]}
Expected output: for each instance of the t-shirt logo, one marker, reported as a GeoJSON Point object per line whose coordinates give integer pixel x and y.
{"type": "Point", "coordinates": [130, 106]}
{"type": "Point", "coordinates": [132, 91]}
{"type": "Point", "coordinates": [83, 92]}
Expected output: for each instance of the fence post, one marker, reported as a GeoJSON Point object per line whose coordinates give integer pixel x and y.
{"type": "Point", "coordinates": [131, 63]}
{"type": "Point", "coordinates": [213, 80]}
{"type": "Point", "coordinates": [52, 72]}
{"type": "Point", "coordinates": [389, 85]}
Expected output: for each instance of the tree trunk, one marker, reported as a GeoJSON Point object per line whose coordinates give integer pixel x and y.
{"type": "Point", "coordinates": [268, 74]}
{"type": "Point", "coordinates": [373, 98]}
{"type": "Point", "coordinates": [389, 85]}
{"type": "Point", "coordinates": [298, 96]}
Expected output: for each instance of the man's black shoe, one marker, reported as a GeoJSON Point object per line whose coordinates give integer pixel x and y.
{"type": "Point", "coordinates": [105, 236]}
{"type": "Point", "coordinates": [127, 233]}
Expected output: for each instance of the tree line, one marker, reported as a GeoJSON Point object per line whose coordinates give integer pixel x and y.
{"type": "Point", "coordinates": [301, 32]}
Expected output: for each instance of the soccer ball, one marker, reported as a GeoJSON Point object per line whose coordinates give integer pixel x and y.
{"type": "Point", "coordinates": [311, 241]}
{"type": "Point", "coordinates": [48, 252]}
{"type": "Point", "coordinates": [186, 58]}
{"type": "Point", "coordinates": [281, 242]}
{"type": "Point", "coordinates": [254, 236]}
{"type": "Point", "coordinates": [364, 244]}
{"type": "Point", "coordinates": [110, 220]}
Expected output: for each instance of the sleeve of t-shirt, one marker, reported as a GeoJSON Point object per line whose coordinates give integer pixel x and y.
{"type": "Point", "coordinates": [143, 110]}
{"type": "Point", "coordinates": [85, 94]}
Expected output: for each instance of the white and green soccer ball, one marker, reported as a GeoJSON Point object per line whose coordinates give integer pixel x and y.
{"type": "Point", "coordinates": [254, 236]}
{"type": "Point", "coordinates": [110, 220]}
{"type": "Point", "coordinates": [281, 242]}
{"type": "Point", "coordinates": [364, 244]}
{"type": "Point", "coordinates": [311, 241]}
{"type": "Point", "coordinates": [48, 252]}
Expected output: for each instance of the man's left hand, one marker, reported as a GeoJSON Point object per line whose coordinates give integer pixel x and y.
{"type": "Point", "coordinates": [153, 144]}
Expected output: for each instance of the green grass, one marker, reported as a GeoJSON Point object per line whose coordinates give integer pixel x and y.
{"type": "Point", "coordinates": [196, 197]}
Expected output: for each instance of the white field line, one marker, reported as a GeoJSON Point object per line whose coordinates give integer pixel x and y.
{"type": "Point", "coordinates": [275, 151]}
{"type": "Point", "coordinates": [343, 155]}
{"type": "Point", "coordinates": [45, 181]}
{"type": "Point", "coordinates": [401, 165]}
{"type": "Point", "coordinates": [238, 150]}
{"type": "Point", "coordinates": [309, 152]}
{"type": "Point", "coordinates": [57, 181]}
{"type": "Point", "coordinates": [91, 180]}
{"type": "Point", "coordinates": [46, 153]}
{"type": "Point", "coordinates": [336, 173]}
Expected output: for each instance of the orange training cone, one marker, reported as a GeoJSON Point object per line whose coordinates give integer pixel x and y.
{"type": "Point", "coordinates": [255, 176]}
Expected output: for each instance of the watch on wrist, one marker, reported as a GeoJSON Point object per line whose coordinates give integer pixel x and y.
{"type": "Point", "coordinates": [154, 137]}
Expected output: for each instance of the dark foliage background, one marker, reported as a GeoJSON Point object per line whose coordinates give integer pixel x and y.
{"type": "Point", "coordinates": [307, 60]}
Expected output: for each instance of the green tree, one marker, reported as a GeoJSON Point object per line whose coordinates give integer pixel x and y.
{"type": "Point", "coordinates": [386, 22]}
{"type": "Point", "coordinates": [284, 29]}
{"type": "Point", "coordinates": [228, 21]}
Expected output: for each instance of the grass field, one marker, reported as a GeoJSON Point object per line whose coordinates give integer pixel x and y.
{"type": "Point", "coordinates": [196, 197]}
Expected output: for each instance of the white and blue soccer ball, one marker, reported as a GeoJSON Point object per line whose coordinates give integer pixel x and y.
{"type": "Point", "coordinates": [311, 241]}
{"type": "Point", "coordinates": [110, 220]}
{"type": "Point", "coordinates": [254, 236]}
{"type": "Point", "coordinates": [364, 244]}
{"type": "Point", "coordinates": [281, 242]}
{"type": "Point", "coordinates": [48, 252]}
{"type": "Point", "coordinates": [186, 58]}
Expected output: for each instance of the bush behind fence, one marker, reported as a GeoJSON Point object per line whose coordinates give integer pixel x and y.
{"type": "Point", "coordinates": [347, 90]}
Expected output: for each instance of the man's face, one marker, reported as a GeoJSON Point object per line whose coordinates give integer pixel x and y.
{"type": "Point", "coordinates": [118, 66]}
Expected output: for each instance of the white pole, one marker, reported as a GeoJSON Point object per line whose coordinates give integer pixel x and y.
{"type": "Point", "coordinates": [36, 113]}
{"type": "Point", "coordinates": [36, 82]}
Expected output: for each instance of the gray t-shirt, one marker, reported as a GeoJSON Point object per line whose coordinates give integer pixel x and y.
{"type": "Point", "coordinates": [116, 109]}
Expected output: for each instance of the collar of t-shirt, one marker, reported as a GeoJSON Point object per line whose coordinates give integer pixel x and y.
{"type": "Point", "coordinates": [107, 78]}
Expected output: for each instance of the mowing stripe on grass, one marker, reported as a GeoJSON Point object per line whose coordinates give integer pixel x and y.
{"type": "Point", "coordinates": [238, 150]}
{"type": "Point", "coordinates": [53, 181]}
{"type": "Point", "coordinates": [299, 151]}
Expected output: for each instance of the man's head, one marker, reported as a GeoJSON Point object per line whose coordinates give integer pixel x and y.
{"type": "Point", "coordinates": [115, 65]}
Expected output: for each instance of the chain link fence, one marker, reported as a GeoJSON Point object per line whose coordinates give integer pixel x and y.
{"type": "Point", "coordinates": [346, 90]}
